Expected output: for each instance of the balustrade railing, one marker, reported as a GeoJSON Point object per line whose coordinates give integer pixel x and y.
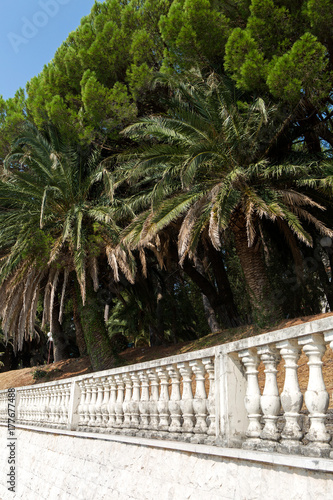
{"type": "Point", "coordinates": [211, 396]}
{"type": "Point", "coordinates": [170, 398]}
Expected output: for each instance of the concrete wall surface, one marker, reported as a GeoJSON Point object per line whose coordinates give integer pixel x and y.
{"type": "Point", "coordinates": [56, 466]}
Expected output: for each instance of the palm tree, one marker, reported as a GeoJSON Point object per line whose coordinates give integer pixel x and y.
{"type": "Point", "coordinates": [210, 161]}
{"type": "Point", "coordinates": [56, 221]}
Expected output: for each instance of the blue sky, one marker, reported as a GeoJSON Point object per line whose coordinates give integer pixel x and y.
{"type": "Point", "coordinates": [30, 33]}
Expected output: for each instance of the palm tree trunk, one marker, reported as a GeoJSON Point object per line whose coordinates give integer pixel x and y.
{"type": "Point", "coordinates": [223, 284]}
{"type": "Point", "coordinates": [60, 342]}
{"type": "Point", "coordinates": [95, 334]}
{"type": "Point", "coordinates": [264, 308]}
{"type": "Point", "coordinates": [208, 289]}
{"type": "Point", "coordinates": [211, 318]}
{"type": "Point", "coordinates": [80, 342]}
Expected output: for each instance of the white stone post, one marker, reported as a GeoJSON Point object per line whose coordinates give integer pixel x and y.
{"type": "Point", "coordinates": [174, 403]}
{"type": "Point", "coordinates": [28, 413]}
{"type": "Point", "coordinates": [98, 407]}
{"type": "Point", "coordinates": [291, 398]}
{"type": "Point", "coordinates": [77, 396]}
{"type": "Point", "coordinates": [38, 405]}
{"type": "Point", "coordinates": [112, 403]}
{"type": "Point", "coordinates": [186, 402]}
{"type": "Point", "coordinates": [105, 403]}
{"type": "Point", "coordinates": [92, 405]}
{"type": "Point", "coordinates": [81, 407]}
{"type": "Point", "coordinates": [153, 400]}
{"type": "Point", "coordinates": [316, 397]}
{"type": "Point", "coordinates": [163, 401]}
{"type": "Point", "coordinates": [127, 401]}
{"type": "Point", "coordinates": [200, 400]}
{"type": "Point", "coordinates": [144, 400]}
{"type": "Point", "coordinates": [270, 399]}
{"type": "Point", "coordinates": [87, 402]}
{"type": "Point", "coordinates": [134, 404]}
{"type": "Point", "coordinates": [52, 404]}
{"type": "Point", "coordinates": [61, 397]}
{"type": "Point", "coordinates": [250, 360]}
{"type": "Point", "coordinates": [210, 369]}
{"type": "Point", "coordinates": [65, 409]}
{"type": "Point", "coordinates": [57, 389]}
{"type": "Point", "coordinates": [19, 407]}
{"type": "Point", "coordinates": [120, 402]}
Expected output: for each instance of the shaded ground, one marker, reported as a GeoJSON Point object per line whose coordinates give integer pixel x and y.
{"type": "Point", "coordinates": [80, 366]}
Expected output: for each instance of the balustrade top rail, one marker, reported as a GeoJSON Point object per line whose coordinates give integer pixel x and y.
{"type": "Point", "coordinates": [207, 396]}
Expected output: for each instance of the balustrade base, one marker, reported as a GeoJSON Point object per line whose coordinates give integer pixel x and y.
{"type": "Point", "coordinates": [251, 444]}
{"type": "Point", "coordinates": [317, 450]}
{"type": "Point", "coordinates": [198, 439]}
{"type": "Point", "coordinates": [290, 447]}
{"type": "Point", "coordinates": [212, 440]}
{"type": "Point", "coordinates": [267, 445]}
{"type": "Point", "coordinates": [187, 437]}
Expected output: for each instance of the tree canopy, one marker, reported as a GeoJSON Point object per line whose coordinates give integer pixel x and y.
{"type": "Point", "coordinates": [195, 191]}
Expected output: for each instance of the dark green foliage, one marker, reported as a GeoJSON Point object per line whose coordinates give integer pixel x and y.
{"type": "Point", "coordinates": [225, 166]}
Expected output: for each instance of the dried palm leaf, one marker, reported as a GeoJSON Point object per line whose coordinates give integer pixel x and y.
{"type": "Point", "coordinates": [63, 291]}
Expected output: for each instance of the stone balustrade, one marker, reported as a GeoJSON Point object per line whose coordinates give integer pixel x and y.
{"type": "Point", "coordinates": [46, 405]}
{"type": "Point", "coordinates": [171, 398]}
{"type": "Point", "coordinates": [3, 406]}
{"type": "Point", "coordinates": [210, 396]}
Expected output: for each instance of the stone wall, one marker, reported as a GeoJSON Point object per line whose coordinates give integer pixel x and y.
{"type": "Point", "coordinates": [65, 465]}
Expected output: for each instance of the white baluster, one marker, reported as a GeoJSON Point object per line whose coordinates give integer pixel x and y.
{"type": "Point", "coordinates": [316, 397]}
{"type": "Point", "coordinates": [153, 401]}
{"type": "Point", "coordinates": [33, 407]}
{"type": "Point", "coordinates": [291, 398]}
{"type": "Point", "coordinates": [42, 419]}
{"type": "Point", "coordinates": [28, 407]}
{"type": "Point", "coordinates": [87, 403]}
{"type": "Point", "coordinates": [80, 409]}
{"type": "Point", "coordinates": [105, 403]}
{"type": "Point", "coordinates": [120, 402]}
{"type": "Point", "coordinates": [52, 406]}
{"type": "Point", "coordinates": [144, 400]}
{"type": "Point", "coordinates": [135, 400]}
{"type": "Point", "coordinates": [38, 406]}
{"type": "Point", "coordinates": [47, 408]}
{"type": "Point", "coordinates": [163, 402]}
{"type": "Point", "coordinates": [200, 400]}
{"type": "Point", "coordinates": [252, 399]}
{"type": "Point", "coordinates": [270, 399]}
{"type": "Point", "coordinates": [127, 402]}
{"type": "Point", "coordinates": [62, 396]}
{"type": "Point", "coordinates": [174, 403]}
{"type": "Point", "coordinates": [66, 405]}
{"type": "Point", "coordinates": [186, 402]}
{"type": "Point", "coordinates": [112, 403]}
{"type": "Point", "coordinates": [57, 405]}
{"type": "Point", "coordinates": [62, 404]}
{"type": "Point", "coordinates": [20, 406]}
{"type": "Point", "coordinates": [92, 405]}
{"type": "Point", "coordinates": [209, 366]}
{"type": "Point", "coordinates": [98, 408]}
